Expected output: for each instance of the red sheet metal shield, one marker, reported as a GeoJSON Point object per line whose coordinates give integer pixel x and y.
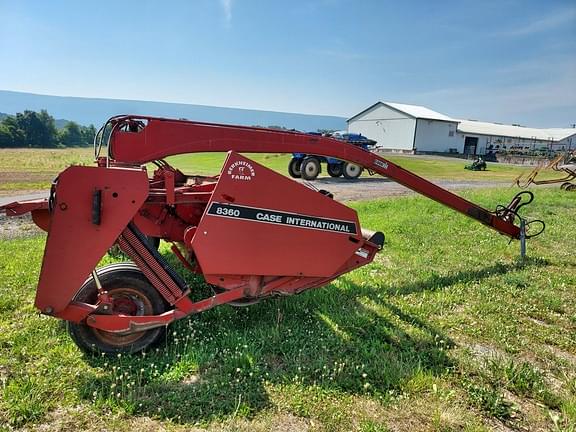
{"type": "Point", "coordinates": [75, 243]}
{"type": "Point", "coordinates": [259, 222]}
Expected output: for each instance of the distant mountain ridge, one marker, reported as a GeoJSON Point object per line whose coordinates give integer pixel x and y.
{"type": "Point", "coordinates": [86, 111]}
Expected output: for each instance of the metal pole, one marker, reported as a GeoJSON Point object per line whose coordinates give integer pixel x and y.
{"type": "Point", "coordinates": [522, 238]}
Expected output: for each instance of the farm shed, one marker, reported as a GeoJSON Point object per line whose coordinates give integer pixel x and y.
{"type": "Point", "coordinates": [483, 138]}
{"type": "Point", "coordinates": [406, 128]}
{"type": "Point", "coordinates": [417, 129]}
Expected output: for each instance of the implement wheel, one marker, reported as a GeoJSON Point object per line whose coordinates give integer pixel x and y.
{"type": "Point", "coordinates": [335, 170]}
{"type": "Point", "coordinates": [351, 171]}
{"type": "Point", "coordinates": [310, 168]}
{"type": "Point", "coordinates": [132, 294]}
{"type": "Point", "coordinates": [294, 168]}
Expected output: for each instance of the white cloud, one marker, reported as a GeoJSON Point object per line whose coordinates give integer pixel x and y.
{"type": "Point", "coordinates": [227, 9]}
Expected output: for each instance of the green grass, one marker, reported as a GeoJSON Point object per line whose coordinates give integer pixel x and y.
{"type": "Point", "coordinates": [9, 187]}
{"type": "Point", "coordinates": [429, 167]}
{"type": "Point", "coordinates": [43, 160]}
{"type": "Point", "coordinates": [34, 169]}
{"type": "Point", "coordinates": [453, 169]}
{"type": "Point", "coordinates": [25, 169]}
{"type": "Point", "coordinates": [446, 330]}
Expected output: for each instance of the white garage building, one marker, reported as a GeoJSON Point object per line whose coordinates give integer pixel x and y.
{"type": "Point", "coordinates": [417, 129]}
{"type": "Point", "coordinates": [406, 128]}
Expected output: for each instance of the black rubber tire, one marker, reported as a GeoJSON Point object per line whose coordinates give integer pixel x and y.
{"type": "Point", "coordinates": [310, 168]}
{"type": "Point", "coordinates": [116, 278]}
{"type": "Point", "coordinates": [565, 185]}
{"type": "Point", "coordinates": [294, 168]}
{"type": "Point", "coordinates": [351, 171]}
{"type": "Point", "coordinates": [335, 170]}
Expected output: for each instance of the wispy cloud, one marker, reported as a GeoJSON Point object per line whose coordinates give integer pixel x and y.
{"type": "Point", "coordinates": [227, 9]}
{"type": "Point", "coordinates": [542, 24]}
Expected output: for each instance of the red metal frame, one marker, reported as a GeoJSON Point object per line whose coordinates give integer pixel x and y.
{"type": "Point", "coordinates": [164, 137]}
{"type": "Point", "coordinates": [250, 231]}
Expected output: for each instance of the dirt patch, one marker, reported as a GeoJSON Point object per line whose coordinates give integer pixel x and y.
{"type": "Point", "coordinates": [569, 357]}
{"type": "Point", "coordinates": [484, 352]}
{"type": "Point", "coordinates": [25, 177]}
{"type": "Point", "coordinates": [539, 322]}
{"type": "Point", "coordinates": [17, 227]}
{"type": "Point", "coordinates": [277, 423]}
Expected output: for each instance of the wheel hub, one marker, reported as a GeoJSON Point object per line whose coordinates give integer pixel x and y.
{"type": "Point", "coordinates": [125, 301]}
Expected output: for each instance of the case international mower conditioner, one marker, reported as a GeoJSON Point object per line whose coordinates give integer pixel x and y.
{"type": "Point", "coordinates": [250, 232]}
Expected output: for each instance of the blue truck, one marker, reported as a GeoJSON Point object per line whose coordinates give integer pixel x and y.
{"type": "Point", "coordinates": [308, 167]}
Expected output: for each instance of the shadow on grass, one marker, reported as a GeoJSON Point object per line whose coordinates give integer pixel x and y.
{"type": "Point", "coordinates": [436, 282]}
{"type": "Point", "coordinates": [347, 340]}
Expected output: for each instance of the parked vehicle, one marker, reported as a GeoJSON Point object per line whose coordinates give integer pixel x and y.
{"type": "Point", "coordinates": [308, 167]}
{"type": "Point", "coordinates": [478, 165]}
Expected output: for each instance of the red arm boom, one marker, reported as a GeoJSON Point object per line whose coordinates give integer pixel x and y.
{"type": "Point", "coordinates": [138, 140]}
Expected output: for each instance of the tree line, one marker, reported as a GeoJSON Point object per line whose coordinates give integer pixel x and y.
{"type": "Point", "coordinates": [32, 129]}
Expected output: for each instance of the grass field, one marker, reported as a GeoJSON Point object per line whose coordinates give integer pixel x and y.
{"type": "Point", "coordinates": [446, 331]}
{"type": "Point", "coordinates": [24, 169]}
{"type": "Point", "coordinates": [34, 169]}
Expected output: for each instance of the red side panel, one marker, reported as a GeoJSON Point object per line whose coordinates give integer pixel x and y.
{"type": "Point", "coordinates": [259, 222]}
{"type": "Point", "coordinates": [83, 227]}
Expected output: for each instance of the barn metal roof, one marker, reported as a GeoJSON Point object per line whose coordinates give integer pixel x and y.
{"type": "Point", "coordinates": [419, 112]}
{"type": "Point", "coordinates": [497, 129]}
{"type": "Point", "coordinates": [415, 111]}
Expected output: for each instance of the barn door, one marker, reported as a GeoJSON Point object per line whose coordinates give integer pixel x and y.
{"type": "Point", "coordinates": [470, 145]}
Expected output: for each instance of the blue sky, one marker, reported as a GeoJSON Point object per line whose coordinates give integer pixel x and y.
{"type": "Point", "coordinates": [507, 60]}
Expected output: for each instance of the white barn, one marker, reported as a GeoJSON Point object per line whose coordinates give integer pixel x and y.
{"type": "Point", "coordinates": [417, 129]}
{"type": "Point", "coordinates": [406, 128]}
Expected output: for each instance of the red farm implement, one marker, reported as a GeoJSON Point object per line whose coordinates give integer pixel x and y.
{"type": "Point", "coordinates": [250, 232]}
